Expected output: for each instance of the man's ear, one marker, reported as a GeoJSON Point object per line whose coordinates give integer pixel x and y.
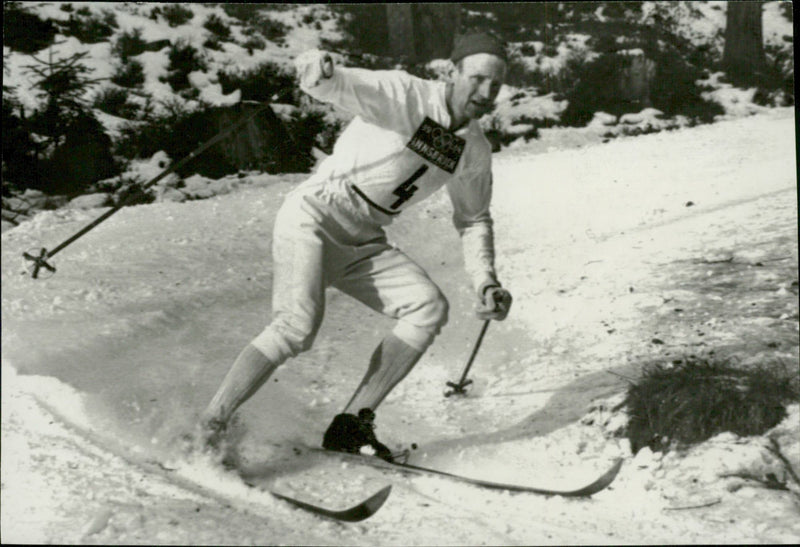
{"type": "Point", "coordinates": [452, 69]}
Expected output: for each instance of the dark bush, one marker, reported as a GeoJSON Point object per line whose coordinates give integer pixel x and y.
{"type": "Point", "coordinates": [83, 159]}
{"type": "Point", "coordinates": [259, 83]}
{"type": "Point", "coordinates": [130, 74]}
{"type": "Point", "coordinates": [114, 101]}
{"type": "Point", "coordinates": [595, 91]}
{"type": "Point", "coordinates": [20, 151]}
{"type": "Point", "coordinates": [271, 29]}
{"type": "Point", "coordinates": [129, 44]}
{"type": "Point", "coordinates": [175, 14]}
{"type": "Point", "coordinates": [254, 42]}
{"type": "Point", "coordinates": [90, 28]}
{"type": "Point", "coordinates": [178, 81]}
{"type": "Point", "coordinates": [786, 11]}
{"type": "Point", "coordinates": [25, 32]}
{"type": "Point", "coordinates": [66, 7]}
{"type": "Point", "coordinates": [780, 71]}
{"type": "Point", "coordinates": [620, 10]}
{"type": "Point", "coordinates": [213, 43]}
{"type": "Point", "coordinates": [244, 12]}
{"type": "Point", "coordinates": [183, 59]}
{"type": "Point", "coordinates": [364, 27]}
{"type": "Point", "coordinates": [125, 190]}
{"type": "Point", "coordinates": [217, 26]}
{"type": "Point", "coordinates": [177, 132]}
{"type": "Point", "coordinates": [673, 89]}
{"type": "Point", "coordinates": [305, 126]}
{"type": "Point", "coordinates": [697, 398]}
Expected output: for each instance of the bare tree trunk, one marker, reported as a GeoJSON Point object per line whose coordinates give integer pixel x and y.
{"type": "Point", "coordinates": [421, 32]}
{"type": "Point", "coordinates": [436, 26]}
{"type": "Point", "coordinates": [400, 23]}
{"type": "Point", "coordinates": [743, 58]}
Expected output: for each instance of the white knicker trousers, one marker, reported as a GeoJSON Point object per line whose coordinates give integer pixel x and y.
{"type": "Point", "coordinates": [312, 251]}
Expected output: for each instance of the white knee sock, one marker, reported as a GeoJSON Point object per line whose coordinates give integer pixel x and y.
{"type": "Point", "coordinates": [392, 360]}
{"type": "Point", "coordinates": [248, 373]}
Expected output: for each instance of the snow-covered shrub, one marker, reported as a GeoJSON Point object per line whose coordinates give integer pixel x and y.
{"type": "Point", "coordinates": [547, 69]}
{"type": "Point", "coordinates": [142, 140]}
{"type": "Point", "coordinates": [213, 43]}
{"type": "Point", "coordinates": [129, 74]}
{"type": "Point", "coordinates": [90, 28]}
{"type": "Point", "coordinates": [780, 68]}
{"type": "Point", "coordinates": [183, 59]}
{"type": "Point", "coordinates": [675, 90]}
{"type": "Point", "coordinates": [176, 130]}
{"type": "Point", "coordinates": [693, 399]}
{"type": "Point", "coordinates": [129, 191]}
{"type": "Point", "coordinates": [309, 128]}
{"type": "Point", "coordinates": [519, 114]}
{"type": "Point", "coordinates": [217, 26]}
{"type": "Point", "coordinates": [259, 83]}
{"type": "Point", "coordinates": [244, 12]}
{"type": "Point", "coordinates": [272, 29]}
{"type": "Point", "coordinates": [672, 86]}
{"type": "Point", "coordinates": [253, 43]}
{"type": "Point", "coordinates": [175, 14]}
{"type": "Point", "coordinates": [114, 100]}
{"type": "Point", "coordinates": [24, 31]}
{"type": "Point", "coordinates": [128, 44]}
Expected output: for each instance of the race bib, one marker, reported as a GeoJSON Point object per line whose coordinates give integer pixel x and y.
{"type": "Point", "coordinates": [437, 145]}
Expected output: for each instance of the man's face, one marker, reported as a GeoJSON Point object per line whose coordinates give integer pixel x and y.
{"type": "Point", "coordinates": [476, 83]}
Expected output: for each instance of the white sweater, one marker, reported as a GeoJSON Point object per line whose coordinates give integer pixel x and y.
{"type": "Point", "coordinates": [397, 151]}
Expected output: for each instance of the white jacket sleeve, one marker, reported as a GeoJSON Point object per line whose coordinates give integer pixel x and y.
{"type": "Point", "coordinates": [385, 98]}
{"type": "Point", "coordinates": [471, 197]}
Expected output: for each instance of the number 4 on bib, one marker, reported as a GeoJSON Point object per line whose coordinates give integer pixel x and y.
{"type": "Point", "coordinates": [405, 191]}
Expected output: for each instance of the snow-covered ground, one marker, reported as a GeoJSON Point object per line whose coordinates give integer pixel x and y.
{"type": "Point", "coordinates": [617, 254]}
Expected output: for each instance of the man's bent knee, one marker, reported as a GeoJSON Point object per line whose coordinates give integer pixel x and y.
{"type": "Point", "coordinates": [437, 310]}
{"type": "Point", "coordinates": [286, 337]}
{"type": "Point", "coordinates": [419, 327]}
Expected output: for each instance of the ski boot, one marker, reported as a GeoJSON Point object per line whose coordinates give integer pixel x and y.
{"type": "Point", "coordinates": [212, 433]}
{"type": "Point", "coordinates": [349, 433]}
{"type": "Point", "coordinates": [207, 437]}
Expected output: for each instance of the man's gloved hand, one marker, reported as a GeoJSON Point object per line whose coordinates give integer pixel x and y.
{"type": "Point", "coordinates": [313, 66]}
{"type": "Point", "coordinates": [495, 302]}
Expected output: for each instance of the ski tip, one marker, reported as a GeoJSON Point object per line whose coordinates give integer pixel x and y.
{"type": "Point", "coordinates": [603, 482]}
{"type": "Point", "coordinates": [612, 473]}
{"type": "Point", "coordinates": [366, 508]}
{"type": "Point", "coordinates": [378, 499]}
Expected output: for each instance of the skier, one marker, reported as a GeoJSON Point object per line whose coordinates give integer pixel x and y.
{"type": "Point", "coordinates": [409, 138]}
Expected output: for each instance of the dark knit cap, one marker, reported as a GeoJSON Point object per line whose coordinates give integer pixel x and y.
{"type": "Point", "coordinates": [480, 42]}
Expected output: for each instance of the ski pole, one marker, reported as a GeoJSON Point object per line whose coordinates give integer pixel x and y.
{"type": "Point", "coordinates": [40, 261]}
{"type": "Point", "coordinates": [459, 387]}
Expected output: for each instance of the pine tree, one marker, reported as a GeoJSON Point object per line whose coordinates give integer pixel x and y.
{"type": "Point", "coordinates": [61, 84]}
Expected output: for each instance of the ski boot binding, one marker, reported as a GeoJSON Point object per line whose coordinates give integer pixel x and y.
{"type": "Point", "coordinates": [350, 433]}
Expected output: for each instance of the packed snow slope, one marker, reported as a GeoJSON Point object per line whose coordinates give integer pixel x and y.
{"type": "Point", "coordinates": [617, 254]}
